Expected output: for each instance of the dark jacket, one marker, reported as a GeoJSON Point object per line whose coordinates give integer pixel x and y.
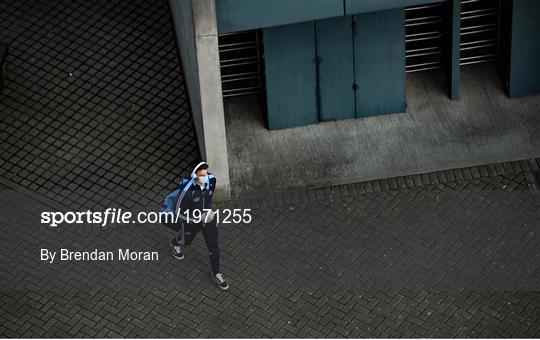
{"type": "Point", "coordinates": [197, 198]}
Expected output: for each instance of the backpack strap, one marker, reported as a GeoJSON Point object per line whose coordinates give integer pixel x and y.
{"type": "Point", "coordinates": [178, 205]}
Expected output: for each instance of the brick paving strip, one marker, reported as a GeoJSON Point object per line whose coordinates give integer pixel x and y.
{"type": "Point", "coordinates": [452, 253]}
{"type": "Point", "coordinates": [529, 168]}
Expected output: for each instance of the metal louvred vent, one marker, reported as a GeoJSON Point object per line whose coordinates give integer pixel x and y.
{"type": "Point", "coordinates": [479, 31]}
{"type": "Point", "coordinates": [423, 37]}
{"type": "Point", "coordinates": [240, 61]}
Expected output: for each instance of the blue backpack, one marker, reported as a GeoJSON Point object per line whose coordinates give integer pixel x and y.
{"type": "Point", "coordinates": [172, 202]}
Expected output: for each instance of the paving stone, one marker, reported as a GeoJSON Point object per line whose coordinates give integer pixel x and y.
{"type": "Point", "coordinates": [409, 182]}
{"type": "Point", "coordinates": [458, 175]}
{"type": "Point", "coordinates": [392, 183]}
{"type": "Point", "coordinates": [475, 172]}
{"type": "Point", "coordinates": [384, 185]}
{"type": "Point", "coordinates": [425, 179]}
{"type": "Point", "coordinates": [376, 185]}
{"type": "Point", "coordinates": [401, 182]}
{"type": "Point", "coordinates": [368, 187]}
{"type": "Point", "coordinates": [467, 173]}
{"type": "Point", "coordinates": [499, 169]}
{"type": "Point", "coordinates": [508, 169]}
{"type": "Point", "coordinates": [450, 175]}
{"type": "Point", "coordinates": [417, 180]}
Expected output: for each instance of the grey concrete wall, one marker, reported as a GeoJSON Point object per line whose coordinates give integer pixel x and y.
{"type": "Point", "coordinates": [196, 32]}
{"type": "Point", "coordinates": [206, 40]}
{"type": "Point", "coordinates": [436, 133]}
{"type": "Point", "coordinates": [182, 16]}
{"type": "Point", "coordinates": [197, 39]}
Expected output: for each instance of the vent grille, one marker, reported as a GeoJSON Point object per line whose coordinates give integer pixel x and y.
{"type": "Point", "coordinates": [423, 37]}
{"type": "Point", "coordinates": [479, 31]}
{"type": "Point", "coordinates": [240, 60]}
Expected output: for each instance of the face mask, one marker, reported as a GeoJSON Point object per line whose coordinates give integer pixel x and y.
{"type": "Point", "coordinates": [203, 179]}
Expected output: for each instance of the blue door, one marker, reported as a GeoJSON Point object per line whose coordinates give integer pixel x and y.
{"type": "Point", "coordinates": [525, 48]}
{"type": "Point", "coordinates": [291, 75]}
{"type": "Point", "coordinates": [335, 68]}
{"type": "Point", "coordinates": [379, 62]}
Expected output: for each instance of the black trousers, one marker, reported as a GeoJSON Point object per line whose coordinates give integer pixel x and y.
{"type": "Point", "coordinates": [211, 238]}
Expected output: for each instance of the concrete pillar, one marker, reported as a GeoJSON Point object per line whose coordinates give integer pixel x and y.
{"type": "Point", "coordinates": [211, 100]}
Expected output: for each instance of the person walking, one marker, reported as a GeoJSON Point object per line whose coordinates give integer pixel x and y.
{"type": "Point", "coordinates": [198, 193]}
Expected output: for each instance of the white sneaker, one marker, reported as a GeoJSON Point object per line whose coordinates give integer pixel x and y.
{"type": "Point", "coordinates": [219, 279]}
{"type": "Point", "coordinates": [176, 250]}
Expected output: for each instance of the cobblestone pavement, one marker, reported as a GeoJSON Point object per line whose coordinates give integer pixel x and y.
{"type": "Point", "coordinates": [453, 259]}
{"type": "Point", "coordinates": [94, 108]}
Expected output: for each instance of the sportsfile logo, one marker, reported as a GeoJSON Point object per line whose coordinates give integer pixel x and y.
{"type": "Point", "coordinates": [120, 217]}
